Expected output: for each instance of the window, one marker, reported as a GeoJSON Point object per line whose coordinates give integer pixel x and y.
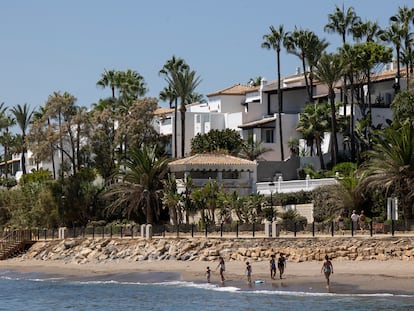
{"type": "Point", "coordinates": [230, 175]}
{"type": "Point", "coordinates": [268, 136]}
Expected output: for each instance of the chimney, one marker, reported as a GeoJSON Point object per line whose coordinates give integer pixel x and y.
{"type": "Point", "coordinates": [297, 72]}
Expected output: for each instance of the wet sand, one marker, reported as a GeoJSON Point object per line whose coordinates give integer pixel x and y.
{"type": "Point", "coordinates": [393, 276]}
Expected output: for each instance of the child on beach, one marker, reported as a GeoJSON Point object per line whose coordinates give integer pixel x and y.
{"type": "Point", "coordinates": [249, 272]}
{"type": "Point", "coordinates": [222, 268]}
{"type": "Point", "coordinates": [327, 269]}
{"type": "Point", "coordinates": [272, 267]}
{"type": "Point", "coordinates": [208, 274]}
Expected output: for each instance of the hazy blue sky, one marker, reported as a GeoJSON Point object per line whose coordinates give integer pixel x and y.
{"type": "Point", "coordinates": [50, 45]}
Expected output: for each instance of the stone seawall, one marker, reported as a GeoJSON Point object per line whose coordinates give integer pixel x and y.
{"type": "Point", "coordinates": [82, 251]}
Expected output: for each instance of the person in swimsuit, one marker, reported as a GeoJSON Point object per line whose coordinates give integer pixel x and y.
{"type": "Point", "coordinates": [208, 274]}
{"type": "Point", "coordinates": [222, 268]}
{"type": "Point", "coordinates": [272, 267]}
{"type": "Point", "coordinates": [281, 264]}
{"type": "Point", "coordinates": [327, 269]}
{"type": "Point", "coordinates": [249, 272]}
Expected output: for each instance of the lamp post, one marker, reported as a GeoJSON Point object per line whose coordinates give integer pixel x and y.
{"type": "Point", "coordinates": [62, 210]}
{"type": "Point", "coordinates": [271, 184]}
{"type": "Point", "coordinates": [396, 85]}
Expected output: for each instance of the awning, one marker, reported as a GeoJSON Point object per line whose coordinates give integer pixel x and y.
{"type": "Point", "coordinates": [258, 123]}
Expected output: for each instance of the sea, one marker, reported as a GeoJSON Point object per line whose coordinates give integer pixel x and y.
{"type": "Point", "coordinates": [165, 291]}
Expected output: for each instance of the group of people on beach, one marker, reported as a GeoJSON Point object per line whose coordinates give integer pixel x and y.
{"type": "Point", "coordinates": [327, 269]}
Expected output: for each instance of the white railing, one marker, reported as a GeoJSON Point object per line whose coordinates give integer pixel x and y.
{"type": "Point", "coordinates": [293, 185]}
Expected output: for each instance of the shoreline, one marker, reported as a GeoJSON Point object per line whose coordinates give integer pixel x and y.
{"type": "Point", "coordinates": [350, 277]}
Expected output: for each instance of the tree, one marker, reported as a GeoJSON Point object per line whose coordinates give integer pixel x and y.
{"type": "Point", "coordinates": [23, 117]}
{"type": "Point", "coordinates": [341, 21]}
{"type": "Point", "coordinates": [274, 40]}
{"type": "Point", "coordinates": [308, 47]}
{"type": "Point", "coordinates": [313, 122]}
{"type": "Point", "coordinates": [395, 34]}
{"type": "Point", "coordinates": [172, 67]}
{"type": "Point", "coordinates": [390, 165]}
{"type": "Point", "coordinates": [329, 71]}
{"type": "Point", "coordinates": [252, 149]}
{"type": "Point", "coordinates": [172, 200]}
{"type": "Point", "coordinates": [403, 106]}
{"type": "Point", "coordinates": [137, 193]}
{"type": "Point", "coordinates": [184, 84]}
{"type": "Point", "coordinates": [217, 141]}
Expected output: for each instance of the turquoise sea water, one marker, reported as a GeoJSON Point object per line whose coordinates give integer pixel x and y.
{"type": "Point", "coordinates": [156, 291]}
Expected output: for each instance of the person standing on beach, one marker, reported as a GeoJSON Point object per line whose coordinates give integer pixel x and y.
{"type": "Point", "coordinates": [272, 267]}
{"type": "Point", "coordinates": [208, 274]}
{"type": "Point", "coordinates": [327, 269]}
{"type": "Point", "coordinates": [281, 264]}
{"type": "Point", "coordinates": [249, 272]}
{"type": "Point", "coordinates": [354, 219]}
{"type": "Point", "coordinates": [362, 221]}
{"type": "Point", "coordinates": [222, 268]}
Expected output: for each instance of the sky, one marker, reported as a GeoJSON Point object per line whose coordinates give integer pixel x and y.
{"type": "Point", "coordinates": [48, 46]}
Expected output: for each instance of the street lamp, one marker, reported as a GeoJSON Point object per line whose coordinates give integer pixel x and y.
{"type": "Point", "coordinates": [271, 184]}
{"type": "Point", "coordinates": [396, 85]}
{"type": "Point", "coordinates": [62, 210]}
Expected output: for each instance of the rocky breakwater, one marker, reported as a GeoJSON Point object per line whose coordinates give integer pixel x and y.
{"type": "Point", "coordinates": [82, 251]}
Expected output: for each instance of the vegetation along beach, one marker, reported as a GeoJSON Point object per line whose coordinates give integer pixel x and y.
{"type": "Point", "coordinates": [300, 188]}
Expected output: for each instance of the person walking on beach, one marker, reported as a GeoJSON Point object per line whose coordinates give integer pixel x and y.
{"type": "Point", "coordinates": [272, 267]}
{"type": "Point", "coordinates": [354, 219]}
{"type": "Point", "coordinates": [222, 268]}
{"type": "Point", "coordinates": [249, 272]}
{"type": "Point", "coordinates": [208, 274]}
{"type": "Point", "coordinates": [361, 220]}
{"type": "Point", "coordinates": [327, 269]}
{"type": "Point", "coordinates": [281, 264]}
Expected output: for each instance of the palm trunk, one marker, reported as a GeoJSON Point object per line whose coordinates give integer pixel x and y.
{"type": "Point", "coordinates": [318, 147]}
{"type": "Point", "coordinates": [334, 150]}
{"type": "Point", "coordinates": [182, 111]}
{"type": "Point", "coordinates": [280, 102]}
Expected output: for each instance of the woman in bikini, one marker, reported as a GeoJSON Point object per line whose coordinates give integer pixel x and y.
{"type": "Point", "coordinates": [327, 269]}
{"type": "Point", "coordinates": [222, 268]}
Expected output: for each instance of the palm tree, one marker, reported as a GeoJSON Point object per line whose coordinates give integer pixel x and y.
{"type": "Point", "coordinates": [138, 191]}
{"type": "Point", "coordinates": [395, 34]}
{"type": "Point", "coordinates": [341, 22]}
{"type": "Point", "coordinates": [329, 71]}
{"type": "Point", "coordinates": [308, 47]}
{"type": "Point", "coordinates": [390, 165]}
{"type": "Point", "coordinates": [171, 67]}
{"type": "Point", "coordinates": [172, 200]}
{"type": "Point", "coordinates": [313, 122]}
{"type": "Point", "coordinates": [405, 17]}
{"type": "Point", "coordinates": [110, 78]}
{"type": "Point", "coordinates": [274, 41]}
{"type": "Point", "coordinates": [23, 117]}
{"type": "Point", "coordinates": [252, 149]}
{"type": "Point", "coordinates": [6, 121]}
{"type": "Point", "coordinates": [184, 84]}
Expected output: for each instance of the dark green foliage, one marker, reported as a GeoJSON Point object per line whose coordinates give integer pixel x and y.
{"type": "Point", "coordinates": [217, 140]}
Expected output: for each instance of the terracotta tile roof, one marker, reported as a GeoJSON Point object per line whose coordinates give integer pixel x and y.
{"type": "Point", "coordinates": [163, 110]}
{"type": "Point", "coordinates": [211, 161]}
{"type": "Point", "coordinates": [237, 89]}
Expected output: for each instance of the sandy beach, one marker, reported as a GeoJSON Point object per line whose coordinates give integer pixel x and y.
{"type": "Point", "coordinates": [372, 276]}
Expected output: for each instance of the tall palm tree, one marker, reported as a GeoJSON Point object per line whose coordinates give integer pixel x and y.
{"type": "Point", "coordinates": [184, 83]}
{"type": "Point", "coordinates": [405, 17]}
{"type": "Point", "coordinates": [172, 66]}
{"type": "Point", "coordinates": [23, 115]}
{"type": "Point", "coordinates": [341, 21]}
{"type": "Point", "coordinates": [6, 122]}
{"type": "Point", "coordinates": [308, 47]}
{"type": "Point", "coordinates": [138, 191]}
{"type": "Point", "coordinates": [110, 78]}
{"type": "Point", "coordinates": [274, 41]}
{"type": "Point", "coordinates": [394, 34]}
{"type": "Point", "coordinates": [313, 122]}
{"type": "Point", "coordinates": [390, 165]}
{"type": "Point", "coordinates": [329, 71]}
